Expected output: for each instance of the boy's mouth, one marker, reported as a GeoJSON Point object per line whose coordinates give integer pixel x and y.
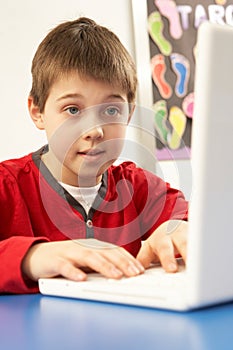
{"type": "Point", "coordinates": [92, 153]}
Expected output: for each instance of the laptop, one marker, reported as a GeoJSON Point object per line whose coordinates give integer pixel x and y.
{"type": "Point", "coordinates": [207, 278]}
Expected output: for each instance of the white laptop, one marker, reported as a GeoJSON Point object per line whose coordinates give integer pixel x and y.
{"type": "Point", "coordinates": [207, 278]}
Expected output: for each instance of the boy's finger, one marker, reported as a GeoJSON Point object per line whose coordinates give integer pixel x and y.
{"type": "Point", "coordinates": [181, 245]}
{"type": "Point", "coordinates": [165, 251]}
{"type": "Point", "coordinates": [66, 269]}
{"type": "Point", "coordinates": [124, 261]}
{"type": "Point", "coordinates": [146, 255]}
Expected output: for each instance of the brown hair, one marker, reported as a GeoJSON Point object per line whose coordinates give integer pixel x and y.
{"type": "Point", "coordinates": [84, 46]}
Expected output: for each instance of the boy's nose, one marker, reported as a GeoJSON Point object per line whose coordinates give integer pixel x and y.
{"type": "Point", "coordinates": [94, 133]}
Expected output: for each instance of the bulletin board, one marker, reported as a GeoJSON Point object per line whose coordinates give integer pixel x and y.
{"type": "Point", "coordinates": [171, 27]}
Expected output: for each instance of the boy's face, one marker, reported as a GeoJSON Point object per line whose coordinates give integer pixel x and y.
{"type": "Point", "coordinates": [85, 122]}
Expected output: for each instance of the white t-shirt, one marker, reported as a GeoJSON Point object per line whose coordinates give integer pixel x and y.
{"type": "Point", "coordinates": [84, 195]}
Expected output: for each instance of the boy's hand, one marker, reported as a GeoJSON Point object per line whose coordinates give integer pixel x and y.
{"type": "Point", "coordinates": [70, 258]}
{"type": "Point", "coordinates": [168, 240]}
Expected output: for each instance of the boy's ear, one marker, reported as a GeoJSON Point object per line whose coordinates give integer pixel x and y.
{"type": "Point", "coordinates": [131, 110]}
{"type": "Point", "coordinates": [36, 115]}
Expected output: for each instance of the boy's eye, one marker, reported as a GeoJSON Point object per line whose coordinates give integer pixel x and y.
{"type": "Point", "coordinates": [73, 110]}
{"type": "Point", "coordinates": [112, 111]}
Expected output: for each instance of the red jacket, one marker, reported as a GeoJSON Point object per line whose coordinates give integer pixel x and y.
{"type": "Point", "coordinates": [130, 205]}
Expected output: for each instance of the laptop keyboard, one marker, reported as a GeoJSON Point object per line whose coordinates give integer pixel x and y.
{"type": "Point", "coordinates": [152, 280]}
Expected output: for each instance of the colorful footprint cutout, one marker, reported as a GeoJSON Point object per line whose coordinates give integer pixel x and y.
{"type": "Point", "coordinates": [188, 105]}
{"type": "Point", "coordinates": [220, 2]}
{"type": "Point", "coordinates": [169, 10]}
{"type": "Point", "coordinates": [160, 120]}
{"type": "Point", "coordinates": [181, 67]}
{"type": "Point", "coordinates": [155, 28]}
{"type": "Point", "coordinates": [178, 121]}
{"type": "Point", "coordinates": [158, 67]}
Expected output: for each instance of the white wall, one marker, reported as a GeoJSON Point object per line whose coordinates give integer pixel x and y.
{"type": "Point", "coordinates": [23, 24]}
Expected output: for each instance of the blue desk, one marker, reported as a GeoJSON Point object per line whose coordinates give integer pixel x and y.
{"type": "Point", "coordinates": [30, 322]}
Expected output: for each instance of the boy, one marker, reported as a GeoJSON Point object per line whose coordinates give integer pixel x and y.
{"type": "Point", "coordinates": [66, 208]}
